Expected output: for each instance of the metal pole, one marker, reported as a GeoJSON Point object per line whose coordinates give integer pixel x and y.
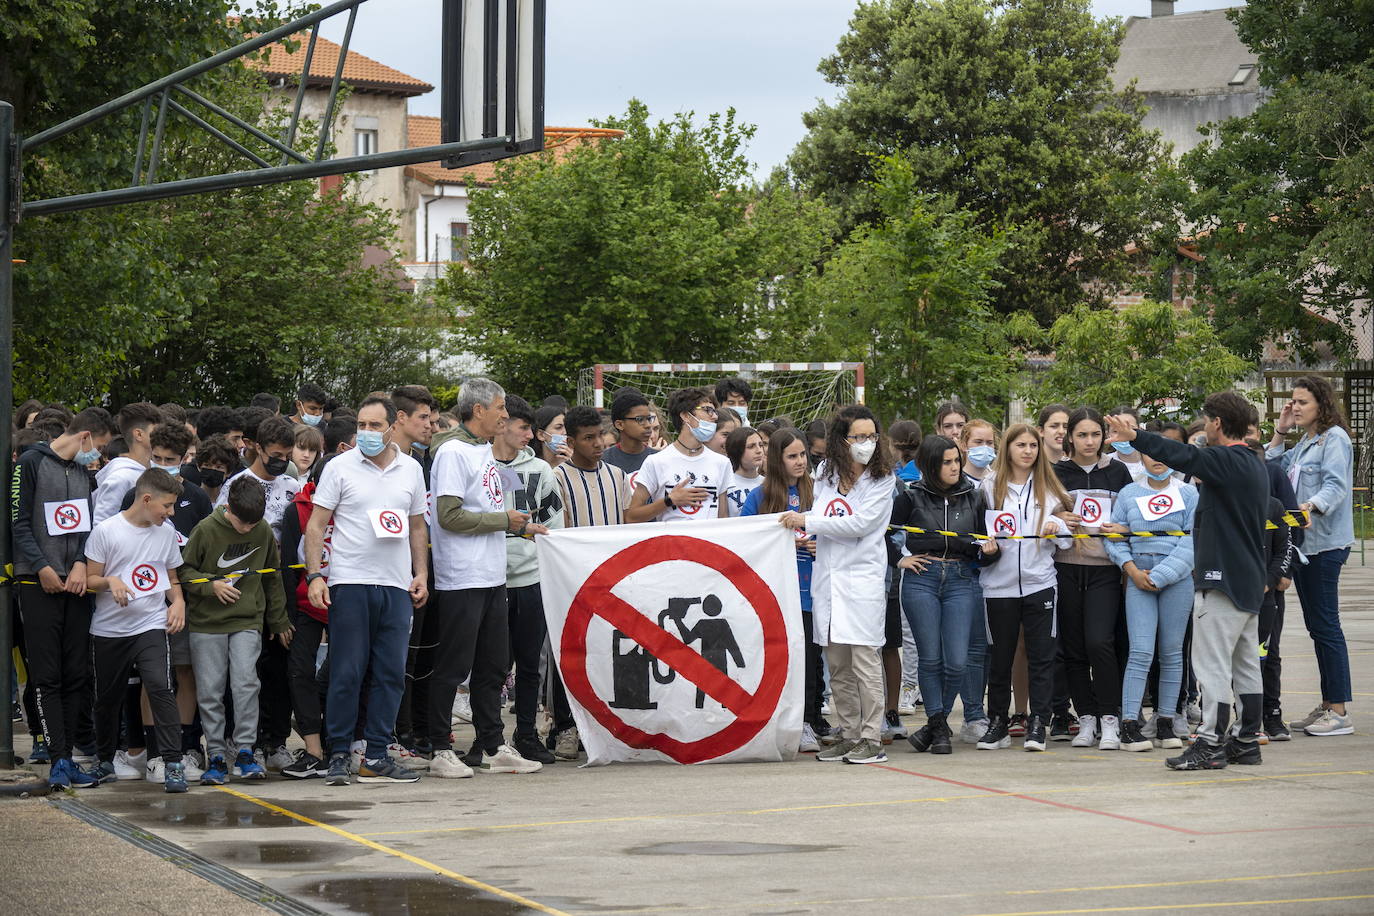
{"type": "Point", "coordinates": [9, 186]}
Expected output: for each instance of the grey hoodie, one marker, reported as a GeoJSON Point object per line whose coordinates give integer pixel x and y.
{"type": "Point", "coordinates": [539, 495]}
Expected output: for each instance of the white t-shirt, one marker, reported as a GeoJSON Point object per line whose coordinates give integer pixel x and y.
{"type": "Point", "coordinates": [140, 558]}
{"type": "Point", "coordinates": [372, 506]}
{"type": "Point", "coordinates": [469, 472]}
{"type": "Point", "coordinates": [738, 490]}
{"type": "Point", "coordinates": [666, 469]}
{"type": "Point", "coordinates": [279, 493]}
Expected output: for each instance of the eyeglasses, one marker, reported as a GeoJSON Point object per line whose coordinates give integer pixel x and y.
{"type": "Point", "coordinates": [707, 411]}
{"type": "Point", "coordinates": [647, 418]}
{"type": "Point", "coordinates": [871, 437]}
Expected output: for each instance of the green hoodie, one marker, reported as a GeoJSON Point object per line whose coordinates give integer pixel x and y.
{"type": "Point", "coordinates": [216, 549]}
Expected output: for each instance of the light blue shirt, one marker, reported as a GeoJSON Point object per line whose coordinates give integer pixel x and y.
{"type": "Point", "coordinates": [1177, 551]}
{"type": "Point", "coordinates": [1320, 468]}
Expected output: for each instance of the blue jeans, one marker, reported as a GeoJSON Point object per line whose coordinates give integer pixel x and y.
{"type": "Point", "coordinates": [975, 686]}
{"type": "Point", "coordinates": [1317, 591]}
{"type": "Point", "coordinates": [369, 633]}
{"type": "Point", "coordinates": [1161, 615]}
{"type": "Point", "coordinates": [939, 604]}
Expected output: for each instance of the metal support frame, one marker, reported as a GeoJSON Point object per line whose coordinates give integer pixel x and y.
{"type": "Point", "coordinates": [144, 186]}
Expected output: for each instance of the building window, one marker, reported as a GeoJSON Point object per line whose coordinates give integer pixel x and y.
{"type": "Point", "coordinates": [458, 241]}
{"type": "Point", "coordinates": [1242, 74]}
{"type": "Point", "coordinates": [364, 142]}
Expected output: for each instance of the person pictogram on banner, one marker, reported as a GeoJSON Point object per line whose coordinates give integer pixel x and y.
{"type": "Point", "coordinates": [718, 643]}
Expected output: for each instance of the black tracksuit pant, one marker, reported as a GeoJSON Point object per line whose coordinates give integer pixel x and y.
{"type": "Point", "coordinates": [525, 616]}
{"type": "Point", "coordinates": [1007, 618]}
{"type": "Point", "coordinates": [57, 645]}
{"type": "Point", "coordinates": [472, 637]}
{"type": "Point", "coordinates": [111, 659]}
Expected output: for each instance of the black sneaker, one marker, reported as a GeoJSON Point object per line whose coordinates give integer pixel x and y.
{"type": "Point", "coordinates": [531, 748]}
{"type": "Point", "coordinates": [1246, 753]}
{"type": "Point", "coordinates": [1131, 737]}
{"type": "Point", "coordinates": [1277, 729]}
{"type": "Point", "coordinates": [922, 738]}
{"type": "Point", "coordinates": [1199, 756]}
{"type": "Point", "coordinates": [1035, 735]}
{"type": "Point", "coordinates": [306, 766]}
{"type": "Point", "coordinates": [943, 735]}
{"type": "Point", "coordinates": [338, 770]}
{"type": "Point", "coordinates": [1061, 728]}
{"type": "Point", "coordinates": [996, 736]}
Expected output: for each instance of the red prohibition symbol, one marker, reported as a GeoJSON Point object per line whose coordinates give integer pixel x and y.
{"type": "Point", "coordinates": [390, 521]}
{"type": "Point", "coordinates": [144, 577]}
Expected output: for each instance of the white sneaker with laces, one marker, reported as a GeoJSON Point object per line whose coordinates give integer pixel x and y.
{"type": "Point", "coordinates": [1111, 734]}
{"type": "Point", "coordinates": [157, 771]}
{"type": "Point", "coordinates": [1087, 732]}
{"type": "Point", "coordinates": [462, 708]}
{"type": "Point", "coordinates": [566, 745]}
{"type": "Point", "coordinates": [192, 764]}
{"type": "Point", "coordinates": [127, 767]}
{"type": "Point", "coordinates": [1331, 723]}
{"type": "Point", "coordinates": [280, 758]}
{"type": "Point", "coordinates": [809, 744]}
{"type": "Point", "coordinates": [260, 757]}
{"type": "Point", "coordinates": [973, 730]}
{"type": "Point", "coordinates": [906, 701]}
{"type": "Point", "coordinates": [448, 765]}
{"type": "Point", "coordinates": [507, 760]}
{"type": "Point", "coordinates": [406, 757]}
{"type": "Point", "coordinates": [356, 752]}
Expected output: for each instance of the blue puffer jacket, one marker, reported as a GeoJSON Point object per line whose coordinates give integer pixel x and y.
{"type": "Point", "coordinates": [1177, 551]}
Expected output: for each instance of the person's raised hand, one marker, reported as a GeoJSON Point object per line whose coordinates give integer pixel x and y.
{"type": "Point", "coordinates": [1119, 430]}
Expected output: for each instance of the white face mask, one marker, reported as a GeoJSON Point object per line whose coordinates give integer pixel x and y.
{"type": "Point", "coordinates": [862, 451]}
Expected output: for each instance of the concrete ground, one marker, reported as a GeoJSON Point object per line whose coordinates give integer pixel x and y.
{"type": "Point", "coordinates": [1068, 831]}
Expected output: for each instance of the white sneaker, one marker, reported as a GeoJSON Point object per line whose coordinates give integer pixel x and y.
{"type": "Point", "coordinates": [462, 708]}
{"type": "Point", "coordinates": [567, 744]}
{"type": "Point", "coordinates": [157, 771]}
{"type": "Point", "coordinates": [907, 700]}
{"type": "Point", "coordinates": [1331, 723]}
{"type": "Point", "coordinates": [1087, 732]}
{"type": "Point", "coordinates": [809, 744]}
{"type": "Point", "coordinates": [193, 764]}
{"type": "Point", "coordinates": [973, 730]}
{"type": "Point", "coordinates": [507, 760]}
{"type": "Point", "coordinates": [279, 759]}
{"type": "Point", "coordinates": [448, 765]}
{"type": "Point", "coordinates": [1193, 714]}
{"type": "Point", "coordinates": [260, 756]}
{"type": "Point", "coordinates": [406, 757]}
{"type": "Point", "coordinates": [127, 767]}
{"type": "Point", "coordinates": [356, 752]}
{"type": "Point", "coordinates": [1111, 734]}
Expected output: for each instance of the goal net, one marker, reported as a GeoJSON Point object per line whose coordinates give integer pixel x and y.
{"type": "Point", "coordinates": [800, 391]}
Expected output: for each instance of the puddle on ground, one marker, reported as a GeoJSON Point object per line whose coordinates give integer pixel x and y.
{"type": "Point", "coordinates": [249, 855]}
{"type": "Point", "coordinates": [404, 894]}
{"type": "Point", "coordinates": [722, 849]}
{"type": "Point", "coordinates": [216, 809]}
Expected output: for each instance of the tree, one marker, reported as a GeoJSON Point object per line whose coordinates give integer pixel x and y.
{"type": "Point", "coordinates": [909, 295]}
{"type": "Point", "coordinates": [649, 247]}
{"type": "Point", "coordinates": [1146, 355]}
{"type": "Point", "coordinates": [1007, 108]}
{"type": "Point", "coordinates": [1280, 199]}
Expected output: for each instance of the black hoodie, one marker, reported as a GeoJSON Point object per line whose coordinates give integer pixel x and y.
{"type": "Point", "coordinates": [41, 477]}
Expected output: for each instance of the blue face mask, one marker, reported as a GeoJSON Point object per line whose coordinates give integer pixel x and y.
{"type": "Point", "coordinates": [980, 456]}
{"type": "Point", "coordinates": [743, 414]}
{"type": "Point", "coordinates": [419, 445]}
{"type": "Point", "coordinates": [311, 419]}
{"type": "Point", "coordinates": [1124, 448]}
{"type": "Point", "coordinates": [704, 430]}
{"type": "Point", "coordinates": [88, 457]}
{"type": "Point", "coordinates": [1162, 475]}
{"type": "Point", "coordinates": [557, 441]}
{"type": "Point", "coordinates": [370, 442]}
{"type": "Point", "coordinates": [173, 469]}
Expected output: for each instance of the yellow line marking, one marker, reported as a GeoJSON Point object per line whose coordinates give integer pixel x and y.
{"type": "Point", "coordinates": [1173, 783]}
{"type": "Point", "coordinates": [1121, 887]}
{"type": "Point", "coordinates": [1184, 906]}
{"type": "Point", "coordinates": [414, 860]}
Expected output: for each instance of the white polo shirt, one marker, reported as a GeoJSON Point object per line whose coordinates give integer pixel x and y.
{"type": "Point", "coordinates": [372, 509]}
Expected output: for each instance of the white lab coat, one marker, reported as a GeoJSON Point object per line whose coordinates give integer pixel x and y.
{"type": "Point", "coordinates": [849, 580]}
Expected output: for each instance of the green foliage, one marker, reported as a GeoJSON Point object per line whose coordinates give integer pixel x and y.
{"type": "Point", "coordinates": [644, 248]}
{"type": "Point", "coordinates": [197, 299]}
{"type": "Point", "coordinates": [1281, 197]}
{"type": "Point", "coordinates": [1144, 355]}
{"type": "Point", "coordinates": [1007, 108]}
{"type": "Point", "coordinates": [909, 295]}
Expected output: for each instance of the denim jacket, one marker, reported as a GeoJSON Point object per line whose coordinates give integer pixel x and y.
{"type": "Point", "coordinates": [1323, 477]}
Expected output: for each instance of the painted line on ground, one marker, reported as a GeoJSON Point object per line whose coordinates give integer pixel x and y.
{"type": "Point", "coordinates": [414, 860]}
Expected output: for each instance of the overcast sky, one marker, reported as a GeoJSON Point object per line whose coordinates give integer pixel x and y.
{"type": "Point", "coordinates": [758, 56]}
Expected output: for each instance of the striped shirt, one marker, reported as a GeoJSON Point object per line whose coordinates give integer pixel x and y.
{"type": "Point", "coordinates": [598, 497]}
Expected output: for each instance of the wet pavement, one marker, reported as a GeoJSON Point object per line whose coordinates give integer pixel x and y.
{"type": "Point", "coordinates": [1070, 830]}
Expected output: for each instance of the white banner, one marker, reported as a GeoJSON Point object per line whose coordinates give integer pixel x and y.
{"type": "Point", "coordinates": [678, 645]}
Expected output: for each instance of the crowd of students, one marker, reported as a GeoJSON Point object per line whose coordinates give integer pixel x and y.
{"type": "Point", "coordinates": [195, 585]}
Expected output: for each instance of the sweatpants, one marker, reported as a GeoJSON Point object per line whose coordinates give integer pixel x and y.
{"type": "Point", "coordinates": [57, 644]}
{"type": "Point", "coordinates": [300, 670]}
{"type": "Point", "coordinates": [1089, 604]}
{"type": "Point", "coordinates": [1226, 660]}
{"type": "Point", "coordinates": [525, 607]}
{"type": "Point", "coordinates": [472, 639]}
{"type": "Point", "coordinates": [1007, 618]}
{"type": "Point", "coordinates": [220, 660]}
{"type": "Point", "coordinates": [111, 659]}
{"type": "Point", "coordinates": [857, 690]}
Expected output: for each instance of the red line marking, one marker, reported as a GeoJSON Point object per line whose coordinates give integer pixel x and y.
{"type": "Point", "coordinates": [1045, 801]}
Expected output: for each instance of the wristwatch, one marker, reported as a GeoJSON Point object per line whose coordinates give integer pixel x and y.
{"type": "Point", "coordinates": [668, 501]}
{"type": "Point", "coordinates": [313, 576]}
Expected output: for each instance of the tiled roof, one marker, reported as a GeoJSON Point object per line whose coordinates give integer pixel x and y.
{"type": "Point", "coordinates": [424, 131]}
{"type": "Point", "coordinates": [1186, 54]}
{"type": "Point", "coordinates": [360, 71]}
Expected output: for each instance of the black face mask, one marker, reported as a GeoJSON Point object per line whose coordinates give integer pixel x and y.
{"type": "Point", "coordinates": [275, 466]}
{"type": "Point", "coordinates": [813, 459]}
{"type": "Point", "coordinates": [212, 477]}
